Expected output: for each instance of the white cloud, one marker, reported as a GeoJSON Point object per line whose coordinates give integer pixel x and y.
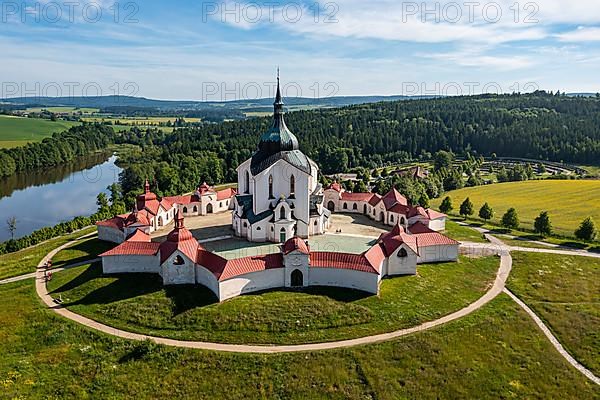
{"type": "Point", "coordinates": [581, 34]}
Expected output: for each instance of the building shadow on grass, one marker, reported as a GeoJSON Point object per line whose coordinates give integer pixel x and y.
{"type": "Point", "coordinates": [94, 271]}
{"type": "Point", "coordinates": [187, 297]}
{"type": "Point", "coordinates": [91, 249]}
{"type": "Point", "coordinates": [338, 294]}
{"type": "Point", "coordinates": [126, 286]}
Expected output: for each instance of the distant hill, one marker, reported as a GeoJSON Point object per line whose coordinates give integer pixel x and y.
{"type": "Point", "coordinates": [112, 102]}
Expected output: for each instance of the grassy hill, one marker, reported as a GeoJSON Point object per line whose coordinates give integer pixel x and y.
{"type": "Point", "coordinates": [568, 202]}
{"type": "Point", "coordinates": [17, 131]}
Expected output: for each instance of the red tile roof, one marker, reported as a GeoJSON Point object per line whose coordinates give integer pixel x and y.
{"type": "Point", "coordinates": [179, 239]}
{"type": "Point", "coordinates": [395, 238]}
{"type": "Point", "coordinates": [139, 236]}
{"type": "Point", "coordinates": [400, 209]}
{"type": "Point", "coordinates": [375, 256]}
{"type": "Point", "coordinates": [134, 249]}
{"type": "Point", "coordinates": [204, 188]}
{"type": "Point", "coordinates": [246, 265]}
{"type": "Point", "coordinates": [295, 244]}
{"type": "Point", "coordinates": [185, 199]}
{"type": "Point", "coordinates": [392, 198]}
{"type": "Point", "coordinates": [434, 214]}
{"type": "Point", "coordinates": [433, 239]}
{"type": "Point", "coordinates": [419, 228]}
{"type": "Point", "coordinates": [226, 194]}
{"type": "Point", "coordinates": [357, 196]}
{"type": "Point", "coordinates": [375, 199]}
{"type": "Point", "coordinates": [116, 223]}
{"type": "Point", "coordinates": [335, 186]}
{"type": "Point", "coordinates": [357, 262]}
{"type": "Point", "coordinates": [415, 211]}
{"type": "Point", "coordinates": [224, 269]}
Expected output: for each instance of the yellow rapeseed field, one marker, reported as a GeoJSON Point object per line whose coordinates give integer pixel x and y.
{"type": "Point", "coordinates": [567, 202]}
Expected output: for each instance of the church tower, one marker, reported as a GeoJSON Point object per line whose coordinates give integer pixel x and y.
{"type": "Point", "coordinates": [279, 193]}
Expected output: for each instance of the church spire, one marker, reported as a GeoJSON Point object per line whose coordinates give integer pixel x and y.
{"type": "Point", "coordinates": [278, 99]}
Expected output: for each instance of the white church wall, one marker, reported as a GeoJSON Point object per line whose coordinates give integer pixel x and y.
{"type": "Point", "coordinates": [252, 282]}
{"type": "Point", "coordinates": [438, 225]}
{"type": "Point", "coordinates": [130, 264]}
{"type": "Point", "coordinates": [181, 274]}
{"type": "Point", "coordinates": [207, 278]}
{"type": "Point", "coordinates": [439, 253]}
{"type": "Point", "coordinates": [241, 170]}
{"type": "Point", "coordinates": [109, 234]}
{"type": "Point", "coordinates": [397, 265]}
{"type": "Point", "coordinates": [348, 278]}
{"type": "Point", "coordinates": [296, 260]}
{"type": "Point", "coordinates": [258, 231]}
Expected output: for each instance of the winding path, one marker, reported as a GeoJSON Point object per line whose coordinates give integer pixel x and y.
{"type": "Point", "coordinates": [495, 290]}
{"type": "Point", "coordinates": [495, 246]}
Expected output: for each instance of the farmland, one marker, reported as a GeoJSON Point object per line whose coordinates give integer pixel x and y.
{"type": "Point", "coordinates": [567, 202]}
{"type": "Point", "coordinates": [18, 131]}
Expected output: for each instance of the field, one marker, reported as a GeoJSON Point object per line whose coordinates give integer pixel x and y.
{"type": "Point", "coordinates": [18, 131]}
{"type": "Point", "coordinates": [69, 110]}
{"type": "Point", "coordinates": [568, 202]}
{"type": "Point", "coordinates": [318, 314]}
{"type": "Point", "coordinates": [138, 121]}
{"type": "Point", "coordinates": [565, 292]}
{"type": "Point", "coordinates": [26, 260]}
{"type": "Point", "coordinates": [497, 352]}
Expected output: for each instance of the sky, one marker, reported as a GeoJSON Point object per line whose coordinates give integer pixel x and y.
{"type": "Point", "coordinates": [226, 50]}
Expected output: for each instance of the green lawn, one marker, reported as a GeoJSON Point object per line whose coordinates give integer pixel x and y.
{"type": "Point", "coordinates": [565, 292]}
{"type": "Point", "coordinates": [18, 131]}
{"type": "Point", "coordinates": [140, 303]}
{"type": "Point", "coordinates": [568, 202]}
{"type": "Point", "coordinates": [463, 233]}
{"type": "Point", "coordinates": [26, 260]}
{"type": "Point", "coordinates": [497, 352]}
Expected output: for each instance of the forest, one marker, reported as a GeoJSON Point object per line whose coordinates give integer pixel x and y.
{"type": "Point", "coordinates": [56, 150]}
{"type": "Point", "coordinates": [539, 126]}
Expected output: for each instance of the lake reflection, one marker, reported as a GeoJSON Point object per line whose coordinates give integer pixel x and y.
{"type": "Point", "coordinates": [47, 197]}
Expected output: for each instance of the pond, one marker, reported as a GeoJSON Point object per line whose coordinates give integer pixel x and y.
{"type": "Point", "coordinates": [47, 197]}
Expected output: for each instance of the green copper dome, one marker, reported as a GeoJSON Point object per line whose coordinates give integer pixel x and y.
{"type": "Point", "coordinates": [278, 143]}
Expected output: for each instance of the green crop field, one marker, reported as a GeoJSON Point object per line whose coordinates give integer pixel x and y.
{"type": "Point", "coordinates": [18, 131]}
{"type": "Point", "coordinates": [70, 110]}
{"type": "Point", "coordinates": [567, 202]}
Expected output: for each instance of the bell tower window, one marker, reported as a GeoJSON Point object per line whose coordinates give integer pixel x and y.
{"type": "Point", "coordinates": [292, 185]}
{"type": "Point", "coordinates": [247, 186]}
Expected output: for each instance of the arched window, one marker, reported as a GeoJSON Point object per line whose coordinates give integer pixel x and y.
{"type": "Point", "coordinates": [258, 228]}
{"type": "Point", "coordinates": [178, 260]}
{"type": "Point", "coordinates": [271, 187]}
{"type": "Point", "coordinates": [391, 218]}
{"type": "Point", "coordinates": [292, 185]}
{"type": "Point", "coordinates": [403, 221]}
{"type": "Point", "coordinates": [282, 213]}
{"type": "Point", "coordinates": [220, 204]}
{"type": "Point", "coordinates": [247, 182]}
{"type": "Point", "coordinates": [195, 208]}
{"type": "Point", "coordinates": [345, 206]}
{"type": "Point", "coordinates": [245, 225]}
{"type": "Point", "coordinates": [402, 253]}
{"type": "Point", "coordinates": [355, 206]}
{"type": "Point", "coordinates": [185, 210]}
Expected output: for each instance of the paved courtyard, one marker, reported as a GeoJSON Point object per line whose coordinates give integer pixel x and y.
{"type": "Point", "coordinates": [237, 248]}
{"type": "Point", "coordinates": [218, 225]}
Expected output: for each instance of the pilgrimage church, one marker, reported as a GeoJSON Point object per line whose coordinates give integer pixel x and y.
{"type": "Point", "coordinates": [278, 199]}
{"type": "Point", "coordinates": [279, 191]}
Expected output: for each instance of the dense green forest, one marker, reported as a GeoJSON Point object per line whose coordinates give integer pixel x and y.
{"type": "Point", "coordinates": [540, 126]}
{"type": "Point", "coordinates": [58, 149]}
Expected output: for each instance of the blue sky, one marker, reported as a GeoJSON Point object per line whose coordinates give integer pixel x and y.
{"type": "Point", "coordinates": [224, 50]}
